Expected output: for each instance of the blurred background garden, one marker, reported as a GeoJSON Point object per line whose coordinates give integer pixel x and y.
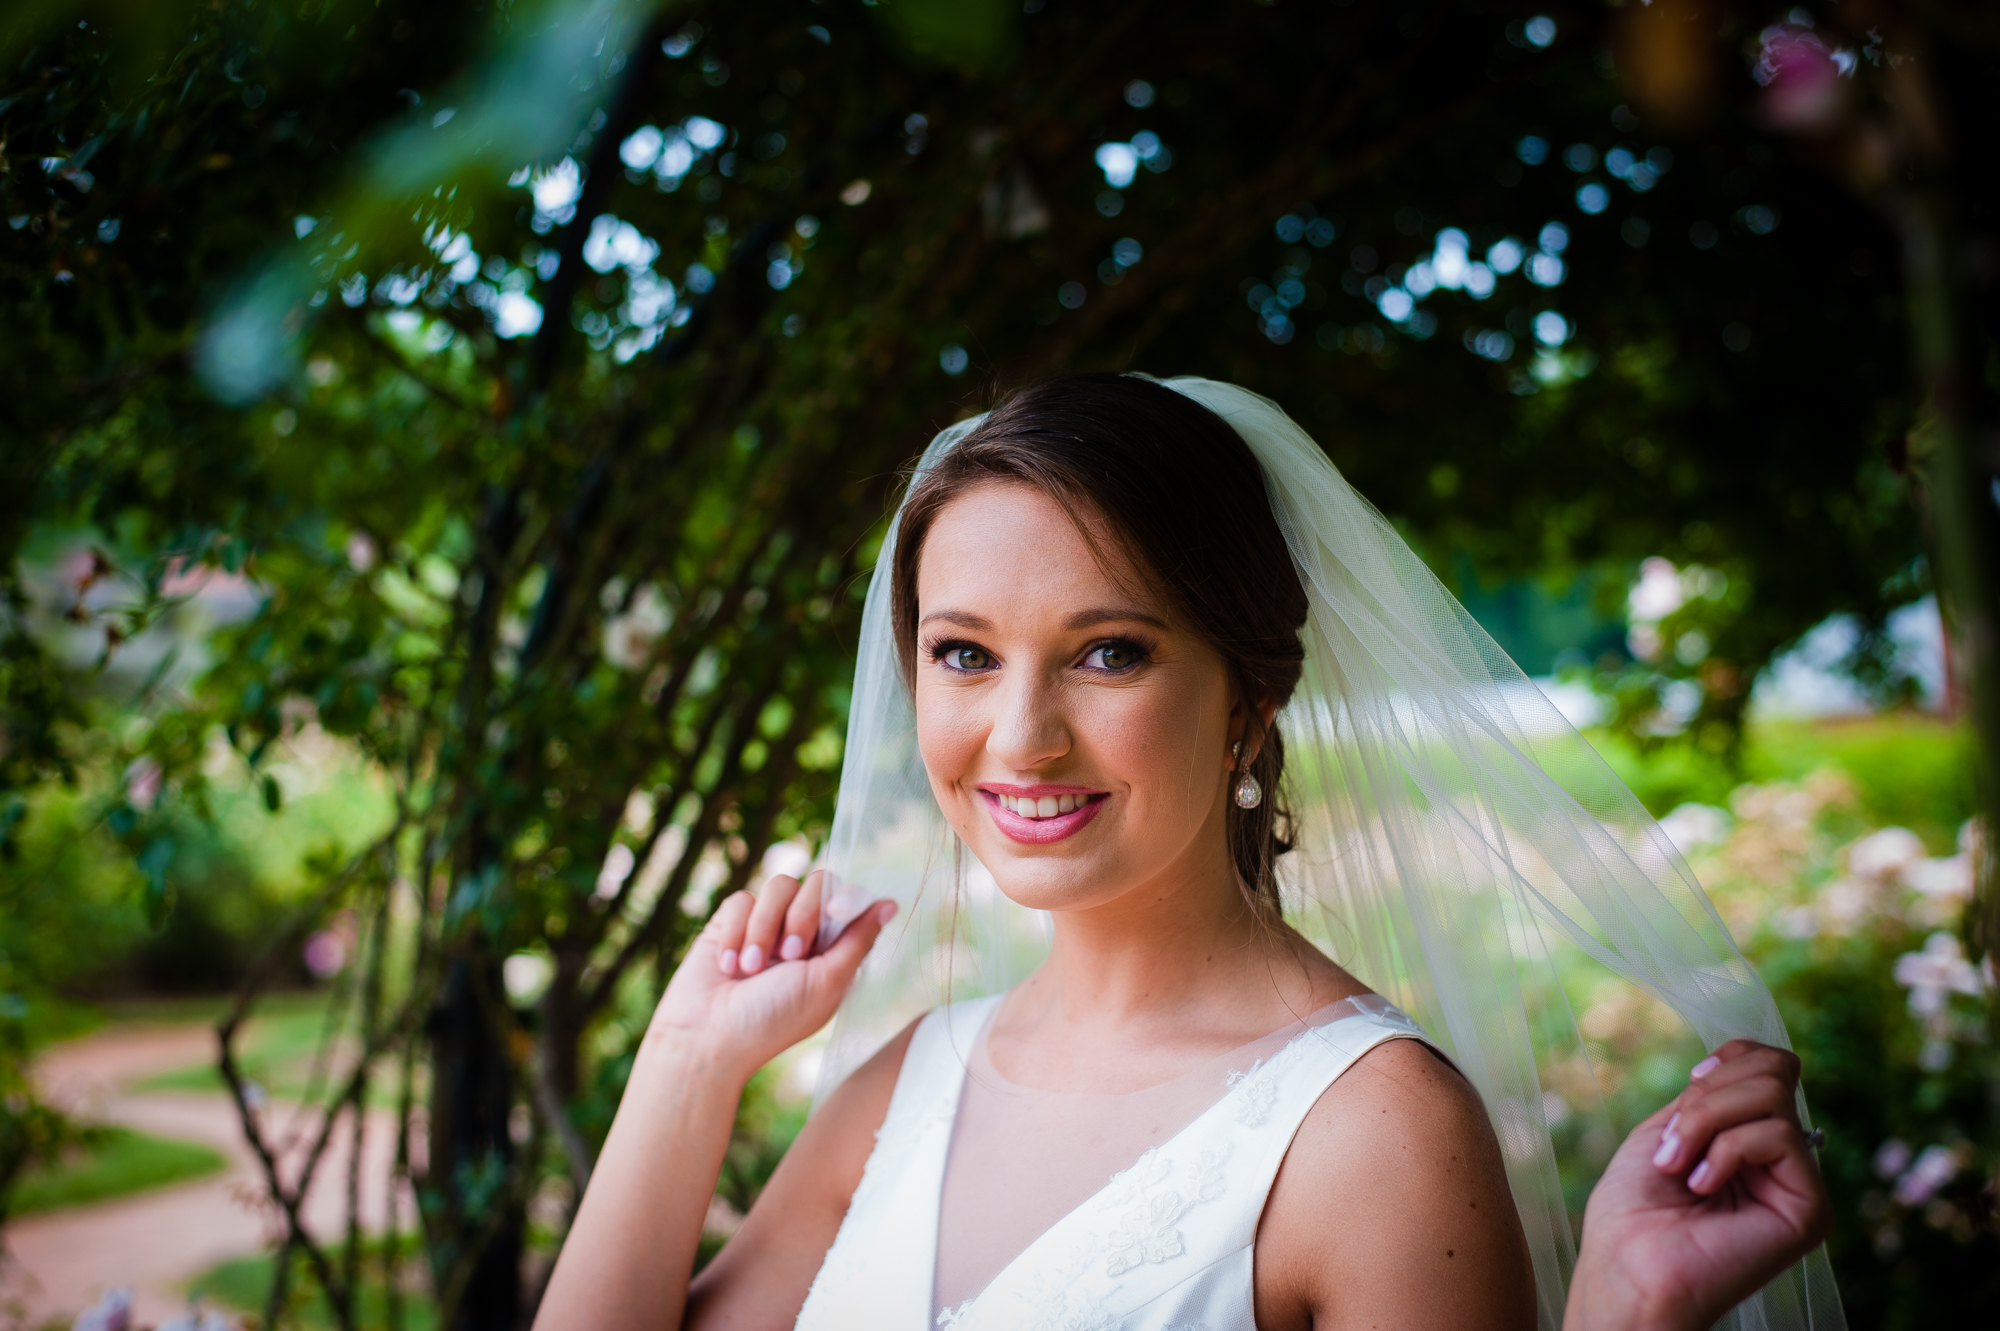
{"type": "Point", "coordinates": [444, 448]}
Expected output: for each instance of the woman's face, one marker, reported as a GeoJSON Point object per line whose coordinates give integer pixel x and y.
{"type": "Point", "coordinates": [1076, 738]}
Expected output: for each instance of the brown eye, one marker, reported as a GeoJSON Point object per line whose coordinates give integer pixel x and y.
{"type": "Point", "coordinates": [967, 658]}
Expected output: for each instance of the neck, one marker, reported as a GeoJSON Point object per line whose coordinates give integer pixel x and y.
{"type": "Point", "coordinates": [1163, 951]}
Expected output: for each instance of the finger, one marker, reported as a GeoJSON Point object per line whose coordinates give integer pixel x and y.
{"type": "Point", "coordinates": [1767, 1142]}
{"type": "Point", "coordinates": [1741, 1052]}
{"type": "Point", "coordinates": [835, 967]}
{"type": "Point", "coordinates": [760, 937]}
{"type": "Point", "coordinates": [802, 919]}
{"type": "Point", "coordinates": [1712, 1111]}
{"type": "Point", "coordinates": [840, 904]}
{"type": "Point", "coordinates": [1766, 1064]}
{"type": "Point", "coordinates": [725, 930]}
{"type": "Point", "coordinates": [1737, 1061]}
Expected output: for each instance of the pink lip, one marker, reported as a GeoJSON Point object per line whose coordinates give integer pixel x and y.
{"type": "Point", "coordinates": [1041, 831]}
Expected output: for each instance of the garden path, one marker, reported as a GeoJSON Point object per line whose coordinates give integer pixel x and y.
{"type": "Point", "coordinates": [156, 1242]}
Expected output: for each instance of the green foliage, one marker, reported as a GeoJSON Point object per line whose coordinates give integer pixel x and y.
{"type": "Point", "coordinates": [113, 1163]}
{"type": "Point", "coordinates": [32, 1133]}
{"type": "Point", "coordinates": [1849, 948]}
{"type": "Point", "coordinates": [553, 456]}
{"type": "Point", "coordinates": [245, 1284]}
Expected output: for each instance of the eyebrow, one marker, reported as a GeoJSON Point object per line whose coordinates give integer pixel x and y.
{"type": "Point", "coordinates": [1082, 619]}
{"type": "Point", "coordinates": [964, 620]}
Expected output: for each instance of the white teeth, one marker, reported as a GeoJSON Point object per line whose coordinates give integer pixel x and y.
{"type": "Point", "coordinates": [1047, 806]}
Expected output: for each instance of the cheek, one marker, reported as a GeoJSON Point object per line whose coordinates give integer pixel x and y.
{"type": "Point", "coordinates": [1161, 742]}
{"type": "Point", "coordinates": [950, 735]}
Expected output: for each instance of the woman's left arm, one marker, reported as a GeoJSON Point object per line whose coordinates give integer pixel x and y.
{"type": "Point", "coordinates": [1392, 1209]}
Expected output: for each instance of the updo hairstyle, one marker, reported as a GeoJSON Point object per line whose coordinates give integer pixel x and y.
{"type": "Point", "coordinates": [1184, 496]}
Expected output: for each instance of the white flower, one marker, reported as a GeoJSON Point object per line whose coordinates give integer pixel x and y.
{"type": "Point", "coordinates": [629, 637]}
{"type": "Point", "coordinates": [1882, 855]}
{"type": "Point", "coordinates": [1939, 970]}
{"type": "Point", "coordinates": [1844, 902]}
{"type": "Point", "coordinates": [1945, 877]}
{"type": "Point", "coordinates": [1693, 827]}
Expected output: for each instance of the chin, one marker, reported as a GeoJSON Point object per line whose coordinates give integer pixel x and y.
{"type": "Point", "coordinates": [1047, 882]}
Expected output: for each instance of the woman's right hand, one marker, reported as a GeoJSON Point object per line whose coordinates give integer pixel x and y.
{"type": "Point", "coordinates": [755, 982]}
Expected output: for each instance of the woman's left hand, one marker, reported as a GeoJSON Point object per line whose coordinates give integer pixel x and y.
{"type": "Point", "coordinates": [1704, 1202]}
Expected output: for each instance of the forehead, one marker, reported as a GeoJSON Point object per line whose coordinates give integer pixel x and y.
{"type": "Point", "coordinates": [1006, 541]}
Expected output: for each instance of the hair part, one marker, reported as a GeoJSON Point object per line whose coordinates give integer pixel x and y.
{"type": "Point", "coordinates": [1183, 495]}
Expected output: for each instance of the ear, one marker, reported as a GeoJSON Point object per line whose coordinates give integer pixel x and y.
{"type": "Point", "coordinates": [1266, 711]}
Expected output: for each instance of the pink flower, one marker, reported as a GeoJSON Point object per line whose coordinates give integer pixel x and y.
{"type": "Point", "coordinates": [1801, 78]}
{"type": "Point", "coordinates": [1937, 1166]}
{"type": "Point", "coordinates": [325, 954]}
{"type": "Point", "coordinates": [142, 783]}
{"type": "Point", "coordinates": [1892, 1158]}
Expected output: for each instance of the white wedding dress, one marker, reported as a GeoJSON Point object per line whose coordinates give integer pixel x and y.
{"type": "Point", "coordinates": [987, 1206]}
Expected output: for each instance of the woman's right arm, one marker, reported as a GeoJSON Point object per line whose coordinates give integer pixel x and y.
{"type": "Point", "coordinates": [736, 1001]}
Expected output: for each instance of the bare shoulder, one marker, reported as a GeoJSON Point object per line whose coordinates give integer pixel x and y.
{"type": "Point", "coordinates": [761, 1276]}
{"type": "Point", "coordinates": [1392, 1208]}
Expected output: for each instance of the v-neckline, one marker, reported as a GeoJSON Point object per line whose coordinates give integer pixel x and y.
{"type": "Point", "coordinates": [1095, 1201]}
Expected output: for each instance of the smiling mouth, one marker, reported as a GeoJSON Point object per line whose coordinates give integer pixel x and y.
{"type": "Point", "coordinates": [1043, 806]}
{"type": "Point", "coordinates": [1038, 819]}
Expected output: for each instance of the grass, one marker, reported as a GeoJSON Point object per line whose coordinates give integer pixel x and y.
{"type": "Point", "coordinates": [122, 1162]}
{"type": "Point", "coordinates": [1910, 769]}
{"type": "Point", "coordinates": [244, 1283]}
{"type": "Point", "coordinates": [276, 1048]}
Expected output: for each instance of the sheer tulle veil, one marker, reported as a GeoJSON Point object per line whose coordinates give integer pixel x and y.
{"type": "Point", "coordinates": [1458, 847]}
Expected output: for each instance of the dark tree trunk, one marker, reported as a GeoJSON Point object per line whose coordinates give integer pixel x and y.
{"type": "Point", "coordinates": [472, 1154]}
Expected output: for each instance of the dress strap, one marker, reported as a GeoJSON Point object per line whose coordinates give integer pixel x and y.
{"type": "Point", "coordinates": [878, 1271]}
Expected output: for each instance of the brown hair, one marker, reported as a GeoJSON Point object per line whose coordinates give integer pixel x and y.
{"type": "Point", "coordinates": [1185, 497]}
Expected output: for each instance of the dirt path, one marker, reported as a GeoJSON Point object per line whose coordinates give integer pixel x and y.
{"type": "Point", "coordinates": [155, 1242]}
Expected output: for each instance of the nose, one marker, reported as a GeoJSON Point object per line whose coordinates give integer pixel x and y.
{"type": "Point", "coordinates": [1030, 729]}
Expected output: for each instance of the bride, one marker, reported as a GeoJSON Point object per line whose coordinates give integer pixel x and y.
{"type": "Point", "coordinates": [1108, 614]}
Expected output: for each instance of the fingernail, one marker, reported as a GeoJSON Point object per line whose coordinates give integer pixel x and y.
{"type": "Point", "coordinates": [889, 909]}
{"type": "Point", "coordinates": [1699, 1179]}
{"type": "Point", "coordinates": [794, 948]}
{"type": "Point", "coordinates": [728, 961]}
{"type": "Point", "coordinates": [1703, 1068]}
{"type": "Point", "coordinates": [753, 959]}
{"type": "Point", "coordinates": [1670, 1144]}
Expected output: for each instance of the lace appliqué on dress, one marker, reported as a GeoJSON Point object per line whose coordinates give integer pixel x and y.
{"type": "Point", "coordinates": [1149, 1232]}
{"type": "Point", "coordinates": [1256, 1091]}
{"type": "Point", "coordinates": [1073, 1310]}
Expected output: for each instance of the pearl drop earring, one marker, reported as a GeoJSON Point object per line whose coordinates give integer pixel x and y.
{"type": "Point", "coordinates": [1248, 793]}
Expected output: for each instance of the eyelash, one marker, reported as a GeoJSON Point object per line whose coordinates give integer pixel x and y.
{"type": "Point", "coordinates": [1139, 651]}
{"type": "Point", "coordinates": [937, 650]}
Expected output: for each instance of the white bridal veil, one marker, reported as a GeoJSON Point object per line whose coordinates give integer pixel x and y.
{"type": "Point", "coordinates": [1458, 841]}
